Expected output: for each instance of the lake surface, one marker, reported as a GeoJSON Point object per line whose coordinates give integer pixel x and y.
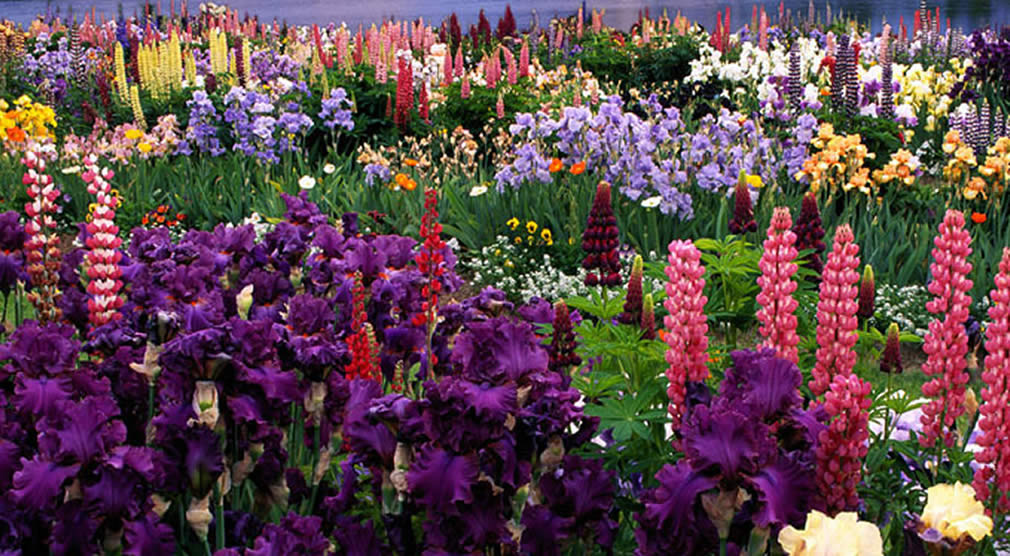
{"type": "Point", "coordinates": [966, 14]}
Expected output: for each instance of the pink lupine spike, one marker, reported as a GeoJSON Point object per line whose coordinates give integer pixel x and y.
{"type": "Point", "coordinates": [103, 256]}
{"type": "Point", "coordinates": [686, 324]}
{"type": "Point", "coordinates": [524, 59]}
{"type": "Point", "coordinates": [778, 323]}
{"type": "Point", "coordinates": [946, 342]}
{"type": "Point", "coordinates": [836, 313]}
{"type": "Point", "coordinates": [843, 445]}
{"type": "Point", "coordinates": [992, 478]}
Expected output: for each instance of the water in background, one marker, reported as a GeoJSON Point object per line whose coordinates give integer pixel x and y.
{"type": "Point", "coordinates": [965, 14]}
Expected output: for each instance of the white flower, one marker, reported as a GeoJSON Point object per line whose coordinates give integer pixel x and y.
{"type": "Point", "coordinates": [71, 170]}
{"type": "Point", "coordinates": [329, 168]}
{"type": "Point", "coordinates": [307, 182]}
{"type": "Point", "coordinates": [478, 190]}
{"type": "Point", "coordinates": [652, 202]}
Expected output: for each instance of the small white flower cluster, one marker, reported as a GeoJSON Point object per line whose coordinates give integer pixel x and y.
{"type": "Point", "coordinates": [495, 263]}
{"type": "Point", "coordinates": [261, 227]}
{"type": "Point", "coordinates": [905, 306]}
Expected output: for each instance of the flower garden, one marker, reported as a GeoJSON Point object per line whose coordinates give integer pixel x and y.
{"type": "Point", "coordinates": [726, 287]}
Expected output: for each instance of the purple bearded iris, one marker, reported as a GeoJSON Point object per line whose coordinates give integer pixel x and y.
{"type": "Point", "coordinates": [747, 462]}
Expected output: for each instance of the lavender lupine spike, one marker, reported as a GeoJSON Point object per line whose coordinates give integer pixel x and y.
{"type": "Point", "coordinates": [851, 82]}
{"type": "Point", "coordinates": [794, 86]}
{"type": "Point", "coordinates": [838, 79]}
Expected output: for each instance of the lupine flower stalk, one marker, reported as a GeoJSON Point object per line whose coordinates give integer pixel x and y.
{"type": "Point", "coordinates": [686, 324]}
{"type": "Point", "coordinates": [648, 322]}
{"type": "Point", "coordinates": [103, 243]}
{"type": "Point", "coordinates": [890, 359]}
{"type": "Point", "coordinates": [562, 347]}
{"type": "Point", "coordinates": [358, 342]}
{"type": "Point", "coordinates": [843, 445]}
{"type": "Point", "coordinates": [632, 313]}
{"type": "Point", "coordinates": [42, 246]}
{"type": "Point", "coordinates": [778, 323]}
{"type": "Point", "coordinates": [599, 241]}
{"type": "Point", "coordinates": [404, 93]}
{"type": "Point", "coordinates": [836, 313]}
{"type": "Point", "coordinates": [743, 210]}
{"type": "Point", "coordinates": [795, 86]}
{"type": "Point", "coordinates": [946, 344]}
{"type": "Point", "coordinates": [429, 261]}
{"type": "Point", "coordinates": [810, 233]}
{"type": "Point", "coordinates": [992, 478]}
{"type": "Point", "coordinates": [886, 108]}
{"type": "Point", "coordinates": [867, 294]}
{"type": "Point", "coordinates": [524, 59]}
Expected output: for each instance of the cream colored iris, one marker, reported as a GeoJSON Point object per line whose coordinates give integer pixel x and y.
{"type": "Point", "coordinates": [953, 511]}
{"type": "Point", "coordinates": [844, 535]}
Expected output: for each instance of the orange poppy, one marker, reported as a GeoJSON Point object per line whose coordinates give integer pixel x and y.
{"type": "Point", "coordinates": [578, 168]}
{"type": "Point", "coordinates": [410, 185]}
{"type": "Point", "coordinates": [15, 134]}
{"type": "Point", "coordinates": [556, 165]}
{"type": "Point", "coordinates": [978, 217]}
{"type": "Point", "coordinates": [410, 162]}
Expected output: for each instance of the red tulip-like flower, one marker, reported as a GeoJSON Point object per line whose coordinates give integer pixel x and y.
{"type": "Point", "coordinates": [836, 313]}
{"type": "Point", "coordinates": [810, 233]}
{"type": "Point", "coordinates": [890, 360]}
{"type": "Point", "coordinates": [946, 342]}
{"type": "Point", "coordinates": [743, 210]}
{"type": "Point", "coordinates": [778, 323]}
{"type": "Point", "coordinates": [632, 313]}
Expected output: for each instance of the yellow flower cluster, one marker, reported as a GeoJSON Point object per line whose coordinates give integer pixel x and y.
{"type": "Point", "coordinates": [218, 52]}
{"type": "Point", "coordinates": [119, 60]}
{"type": "Point", "coordinates": [160, 66]}
{"type": "Point", "coordinates": [927, 87]}
{"type": "Point", "coordinates": [531, 232]}
{"type": "Point", "coordinates": [838, 163]}
{"type": "Point", "coordinates": [993, 175]}
{"type": "Point", "coordinates": [24, 118]}
{"type": "Point", "coordinates": [901, 167]}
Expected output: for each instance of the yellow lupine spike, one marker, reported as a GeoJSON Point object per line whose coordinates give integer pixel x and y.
{"type": "Point", "coordinates": [138, 113]}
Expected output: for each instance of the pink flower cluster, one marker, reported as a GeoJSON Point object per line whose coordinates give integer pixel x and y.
{"type": "Point", "coordinates": [994, 423]}
{"type": "Point", "coordinates": [103, 243]}
{"type": "Point", "coordinates": [686, 326]}
{"type": "Point", "coordinates": [843, 445]}
{"type": "Point", "coordinates": [947, 342]}
{"type": "Point", "coordinates": [778, 323]}
{"type": "Point", "coordinates": [836, 313]}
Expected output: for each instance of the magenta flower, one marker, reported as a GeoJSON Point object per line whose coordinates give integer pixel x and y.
{"type": "Point", "coordinates": [686, 326]}
{"type": "Point", "coordinates": [778, 323]}
{"type": "Point", "coordinates": [947, 342]}
{"type": "Point", "coordinates": [836, 313]}
{"type": "Point", "coordinates": [992, 478]}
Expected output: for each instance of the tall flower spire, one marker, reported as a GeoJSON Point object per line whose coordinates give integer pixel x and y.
{"type": "Point", "coordinates": [778, 323]}
{"type": "Point", "coordinates": [632, 313]}
{"type": "Point", "coordinates": [599, 241]}
{"type": "Point", "coordinates": [947, 342]}
{"type": "Point", "coordinates": [104, 255]}
{"type": "Point", "coordinates": [992, 478]}
{"type": "Point", "coordinates": [42, 250]}
{"type": "Point", "coordinates": [686, 326]}
{"type": "Point", "coordinates": [836, 313]}
{"type": "Point", "coordinates": [743, 210]}
{"type": "Point", "coordinates": [843, 445]}
{"type": "Point", "coordinates": [562, 347]}
{"type": "Point", "coordinates": [810, 233]}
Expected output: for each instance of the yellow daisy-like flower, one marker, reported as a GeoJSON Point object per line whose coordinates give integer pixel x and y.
{"type": "Point", "coordinates": [134, 134]}
{"type": "Point", "coordinates": [512, 223]}
{"type": "Point", "coordinates": [954, 512]}
{"type": "Point", "coordinates": [144, 147]}
{"type": "Point", "coordinates": [531, 227]}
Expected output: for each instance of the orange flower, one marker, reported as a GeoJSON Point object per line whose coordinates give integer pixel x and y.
{"type": "Point", "coordinates": [410, 185]}
{"type": "Point", "coordinates": [410, 162]}
{"type": "Point", "coordinates": [978, 217]}
{"type": "Point", "coordinates": [401, 179]}
{"type": "Point", "coordinates": [15, 134]}
{"type": "Point", "coordinates": [556, 165]}
{"type": "Point", "coordinates": [578, 168]}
